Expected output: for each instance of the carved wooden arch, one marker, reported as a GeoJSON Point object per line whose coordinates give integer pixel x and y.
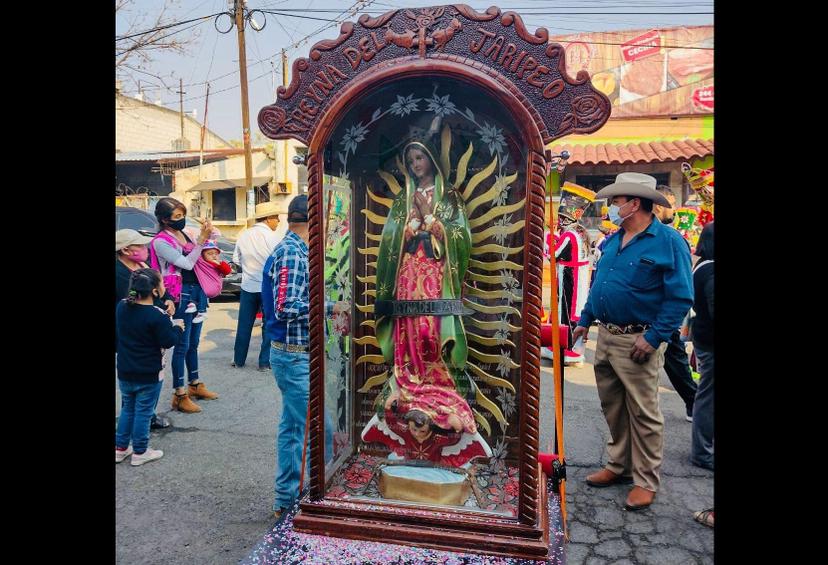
{"type": "Point", "coordinates": [496, 43]}
{"type": "Point", "coordinates": [303, 113]}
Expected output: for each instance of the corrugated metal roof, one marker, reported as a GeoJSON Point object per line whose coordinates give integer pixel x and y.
{"type": "Point", "coordinates": [158, 155]}
{"type": "Point", "coordinates": [644, 152]}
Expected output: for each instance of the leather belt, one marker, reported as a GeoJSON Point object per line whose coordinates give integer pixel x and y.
{"type": "Point", "coordinates": [615, 329]}
{"type": "Point", "coordinates": [289, 347]}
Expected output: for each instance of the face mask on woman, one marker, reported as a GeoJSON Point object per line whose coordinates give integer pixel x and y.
{"type": "Point", "coordinates": [139, 255]}
{"type": "Point", "coordinates": [177, 225]}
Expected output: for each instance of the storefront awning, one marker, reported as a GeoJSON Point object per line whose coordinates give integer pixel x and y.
{"type": "Point", "coordinates": [227, 173]}
{"type": "Point", "coordinates": [631, 153]}
{"type": "Point", "coordinates": [228, 183]}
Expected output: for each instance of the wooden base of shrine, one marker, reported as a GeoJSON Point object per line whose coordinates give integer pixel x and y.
{"type": "Point", "coordinates": [439, 529]}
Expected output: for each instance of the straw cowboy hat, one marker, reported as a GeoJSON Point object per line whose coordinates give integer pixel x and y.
{"type": "Point", "coordinates": [637, 185]}
{"type": "Point", "coordinates": [267, 209]}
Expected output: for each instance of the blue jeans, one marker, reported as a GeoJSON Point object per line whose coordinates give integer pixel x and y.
{"type": "Point", "coordinates": [701, 449]}
{"type": "Point", "coordinates": [249, 304]}
{"type": "Point", "coordinates": [137, 405]}
{"type": "Point", "coordinates": [292, 373]}
{"type": "Point", "coordinates": [186, 350]}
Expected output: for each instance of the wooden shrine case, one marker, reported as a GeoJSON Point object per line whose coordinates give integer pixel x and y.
{"type": "Point", "coordinates": [426, 179]}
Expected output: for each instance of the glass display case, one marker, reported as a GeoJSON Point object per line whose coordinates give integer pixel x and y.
{"type": "Point", "coordinates": [424, 223]}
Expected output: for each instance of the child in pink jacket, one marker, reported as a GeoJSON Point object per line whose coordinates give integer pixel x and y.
{"type": "Point", "coordinates": [210, 270]}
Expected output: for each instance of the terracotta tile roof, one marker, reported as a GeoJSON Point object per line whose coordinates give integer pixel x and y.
{"type": "Point", "coordinates": [644, 152]}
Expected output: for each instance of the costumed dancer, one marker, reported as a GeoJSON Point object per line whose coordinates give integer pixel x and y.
{"type": "Point", "coordinates": [572, 256]}
{"type": "Point", "coordinates": [690, 220]}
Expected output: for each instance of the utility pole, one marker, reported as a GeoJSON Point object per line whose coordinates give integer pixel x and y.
{"type": "Point", "coordinates": [181, 108]}
{"type": "Point", "coordinates": [203, 133]}
{"type": "Point", "coordinates": [285, 83]}
{"type": "Point", "coordinates": [248, 159]}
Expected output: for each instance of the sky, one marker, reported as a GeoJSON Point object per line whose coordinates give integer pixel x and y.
{"type": "Point", "coordinates": [213, 56]}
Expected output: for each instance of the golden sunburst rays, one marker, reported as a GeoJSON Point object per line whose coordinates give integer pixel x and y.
{"type": "Point", "coordinates": [374, 217]}
{"type": "Point", "coordinates": [478, 178]}
{"type": "Point", "coordinates": [469, 290]}
{"type": "Point", "coordinates": [494, 265]}
{"type": "Point", "coordinates": [367, 340]}
{"type": "Point", "coordinates": [491, 279]}
{"type": "Point", "coordinates": [445, 149]}
{"type": "Point", "coordinates": [495, 248]}
{"type": "Point", "coordinates": [496, 212]}
{"type": "Point", "coordinates": [483, 422]}
{"type": "Point", "coordinates": [391, 181]}
{"type": "Point", "coordinates": [484, 402]}
{"type": "Point", "coordinates": [494, 325]}
{"type": "Point", "coordinates": [500, 309]}
{"type": "Point", "coordinates": [370, 358]}
{"type": "Point", "coordinates": [491, 379]}
{"type": "Point", "coordinates": [463, 165]}
{"type": "Point", "coordinates": [489, 341]}
{"type": "Point", "coordinates": [386, 202]}
{"type": "Point", "coordinates": [374, 381]}
{"type": "Point", "coordinates": [498, 230]}
{"type": "Point", "coordinates": [500, 185]}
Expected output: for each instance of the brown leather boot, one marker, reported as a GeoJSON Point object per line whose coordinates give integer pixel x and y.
{"type": "Point", "coordinates": [182, 403]}
{"type": "Point", "coordinates": [639, 498]}
{"type": "Point", "coordinates": [605, 478]}
{"type": "Point", "coordinates": [200, 391]}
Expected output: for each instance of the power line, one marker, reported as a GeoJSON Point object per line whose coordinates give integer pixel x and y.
{"type": "Point", "coordinates": [175, 24]}
{"type": "Point", "coordinates": [624, 5]}
{"type": "Point", "coordinates": [149, 45]}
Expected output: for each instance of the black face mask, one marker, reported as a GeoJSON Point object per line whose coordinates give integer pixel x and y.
{"type": "Point", "coordinates": [178, 224]}
{"type": "Point", "coordinates": [667, 221]}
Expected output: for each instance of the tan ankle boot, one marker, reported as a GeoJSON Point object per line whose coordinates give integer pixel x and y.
{"type": "Point", "coordinates": [183, 403]}
{"type": "Point", "coordinates": [200, 391]}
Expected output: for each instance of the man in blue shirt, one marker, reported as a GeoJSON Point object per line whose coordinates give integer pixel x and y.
{"type": "Point", "coordinates": [285, 304]}
{"type": "Point", "coordinates": [641, 292]}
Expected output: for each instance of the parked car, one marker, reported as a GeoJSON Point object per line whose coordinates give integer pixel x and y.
{"type": "Point", "coordinates": [135, 219]}
{"type": "Point", "coordinates": [145, 223]}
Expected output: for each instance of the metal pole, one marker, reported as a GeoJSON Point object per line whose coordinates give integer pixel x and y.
{"type": "Point", "coordinates": [285, 83]}
{"type": "Point", "coordinates": [248, 159]}
{"type": "Point", "coordinates": [181, 107]}
{"type": "Point", "coordinates": [203, 133]}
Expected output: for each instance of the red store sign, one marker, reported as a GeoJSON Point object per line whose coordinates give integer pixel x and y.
{"type": "Point", "coordinates": [703, 98]}
{"type": "Point", "coordinates": [642, 46]}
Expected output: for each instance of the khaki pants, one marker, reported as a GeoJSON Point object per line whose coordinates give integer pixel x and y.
{"type": "Point", "coordinates": [629, 400]}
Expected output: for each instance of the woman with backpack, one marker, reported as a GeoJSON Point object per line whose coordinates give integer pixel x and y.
{"type": "Point", "coordinates": [175, 254]}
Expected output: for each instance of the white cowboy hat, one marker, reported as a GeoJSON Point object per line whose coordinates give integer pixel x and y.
{"type": "Point", "coordinates": [637, 185]}
{"type": "Point", "coordinates": [267, 209]}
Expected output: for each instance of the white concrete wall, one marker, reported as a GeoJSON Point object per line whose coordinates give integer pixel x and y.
{"type": "Point", "coordinates": [140, 126]}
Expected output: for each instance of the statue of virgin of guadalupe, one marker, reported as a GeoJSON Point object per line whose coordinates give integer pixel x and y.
{"type": "Point", "coordinates": [422, 413]}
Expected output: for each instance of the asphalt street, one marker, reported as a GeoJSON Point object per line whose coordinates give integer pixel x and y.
{"type": "Point", "coordinates": [208, 500]}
